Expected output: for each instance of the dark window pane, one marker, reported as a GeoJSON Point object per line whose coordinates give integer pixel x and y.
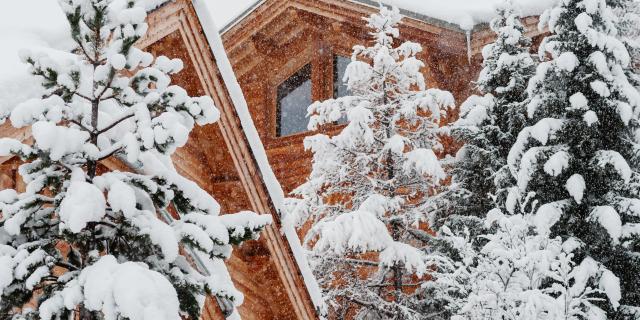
{"type": "Point", "coordinates": [340, 89]}
{"type": "Point", "coordinates": [340, 64]}
{"type": "Point", "coordinates": [294, 97]}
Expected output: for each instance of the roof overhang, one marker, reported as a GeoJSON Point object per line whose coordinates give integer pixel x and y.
{"type": "Point", "coordinates": [369, 3]}
{"type": "Point", "coordinates": [474, 39]}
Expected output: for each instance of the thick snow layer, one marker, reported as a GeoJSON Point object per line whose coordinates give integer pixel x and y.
{"type": "Point", "coordinates": [224, 12]}
{"type": "Point", "coordinates": [83, 203]}
{"type": "Point", "coordinates": [463, 13]}
{"type": "Point", "coordinates": [606, 158]}
{"type": "Point", "coordinates": [357, 231]}
{"type": "Point", "coordinates": [424, 162]}
{"type": "Point", "coordinates": [557, 163]}
{"type": "Point", "coordinates": [6, 271]}
{"type": "Point", "coordinates": [58, 140]}
{"type": "Point", "coordinates": [107, 287]}
{"type": "Point", "coordinates": [468, 13]}
{"type": "Point", "coordinates": [579, 101]}
{"type": "Point", "coordinates": [610, 285]}
{"type": "Point", "coordinates": [576, 186]}
{"type": "Point", "coordinates": [609, 218]}
{"type": "Point", "coordinates": [547, 215]}
{"type": "Point", "coordinates": [410, 257]}
{"type": "Point", "coordinates": [27, 24]}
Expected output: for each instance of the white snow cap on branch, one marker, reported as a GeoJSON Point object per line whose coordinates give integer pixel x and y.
{"type": "Point", "coordinates": [107, 287]}
{"type": "Point", "coordinates": [357, 231]}
{"type": "Point", "coordinates": [83, 203]}
{"type": "Point", "coordinates": [424, 162]}
{"type": "Point", "coordinates": [548, 215]}
{"type": "Point", "coordinates": [609, 219]}
{"type": "Point", "coordinates": [576, 187]}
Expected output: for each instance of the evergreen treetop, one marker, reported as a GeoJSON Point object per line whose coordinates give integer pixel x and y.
{"type": "Point", "coordinates": [576, 166]}
{"type": "Point", "coordinates": [366, 195]}
{"type": "Point", "coordinates": [488, 126]}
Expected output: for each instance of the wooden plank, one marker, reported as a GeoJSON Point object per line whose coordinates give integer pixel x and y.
{"type": "Point", "coordinates": [235, 141]}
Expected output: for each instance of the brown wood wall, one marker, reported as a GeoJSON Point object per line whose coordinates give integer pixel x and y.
{"type": "Point", "coordinates": [297, 33]}
{"type": "Point", "coordinates": [207, 159]}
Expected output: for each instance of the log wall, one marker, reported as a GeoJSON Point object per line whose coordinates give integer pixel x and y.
{"type": "Point", "coordinates": [282, 36]}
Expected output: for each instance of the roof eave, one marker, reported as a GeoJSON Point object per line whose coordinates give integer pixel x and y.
{"type": "Point", "coordinates": [369, 3]}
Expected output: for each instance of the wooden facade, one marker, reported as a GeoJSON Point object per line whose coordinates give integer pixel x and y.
{"type": "Point", "coordinates": [269, 44]}
{"type": "Point", "coordinates": [279, 37]}
{"type": "Point", "coordinates": [219, 158]}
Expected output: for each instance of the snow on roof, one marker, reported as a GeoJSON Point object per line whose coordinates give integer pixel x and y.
{"type": "Point", "coordinates": [466, 14]}
{"type": "Point", "coordinates": [33, 24]}
{"type": "Point", "coordinates": [273, 186]}
{"type": "Point", "coordinates": [224, 12]}
{"type": "Point", "coordinates": [38, 24]}
{"type": "Point", "coordinates": [462, 14]}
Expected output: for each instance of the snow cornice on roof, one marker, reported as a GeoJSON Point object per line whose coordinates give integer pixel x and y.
{"type": "Point", "coordinates": [152, 5]}
{"type": "Point", "coordinates": [418, 16]}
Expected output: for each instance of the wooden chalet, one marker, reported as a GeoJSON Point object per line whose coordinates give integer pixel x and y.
{"type": "Point", "coordinates": [285, 54]}
{"type": "Point", "coordinates": [288, 53]}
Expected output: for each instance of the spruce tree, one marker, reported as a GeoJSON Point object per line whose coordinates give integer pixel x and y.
{"type": "Point", "coordinates": [576, 167]}
{"type": "Point", "coordinates": [89, 243]}
{"type": "Point", "coordinates": [367, 192]}
{"type": "Point", "coordinates": [519, 274]}
{"type": "Point", "coordinates": [488, 127]}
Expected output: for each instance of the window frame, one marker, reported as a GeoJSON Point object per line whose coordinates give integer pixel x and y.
{"type": "Point", "coordinates": [321, 60]}
{"type": "Point", "coordinates": [278, 112]}
{"type": "Point", "coordinates": [334, 62]}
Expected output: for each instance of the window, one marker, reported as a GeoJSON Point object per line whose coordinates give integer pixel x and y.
{"type": "Point", "coordinates": [296, 94]}
{"type": "Point", "coordinates": [340, 64]}
{"type": "Point", "coordinates": [340, 88]}
{"type": "Point", "coordinates": [294, 97]}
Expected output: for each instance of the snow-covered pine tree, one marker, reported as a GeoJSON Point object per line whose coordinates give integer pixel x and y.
{"type": "Point", "coordinates": [488, 126]}
{"type": "Point", "coordinates": [79, 243]}
{"type": "Point", "coordinates": [369, 184]}
{"type": "Point", "coordinates": [577, 166]}
{"type": "Point", "coordinates": [520, 274]}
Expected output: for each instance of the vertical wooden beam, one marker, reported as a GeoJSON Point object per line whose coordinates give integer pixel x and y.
{"type": "Point", "coordinates": [237, 143]}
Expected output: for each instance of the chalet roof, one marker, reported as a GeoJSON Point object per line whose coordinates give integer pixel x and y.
{"type": "Point", "coordinates": [273, 186]}
{"type": "Point", "coordinates": [455, 15]}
